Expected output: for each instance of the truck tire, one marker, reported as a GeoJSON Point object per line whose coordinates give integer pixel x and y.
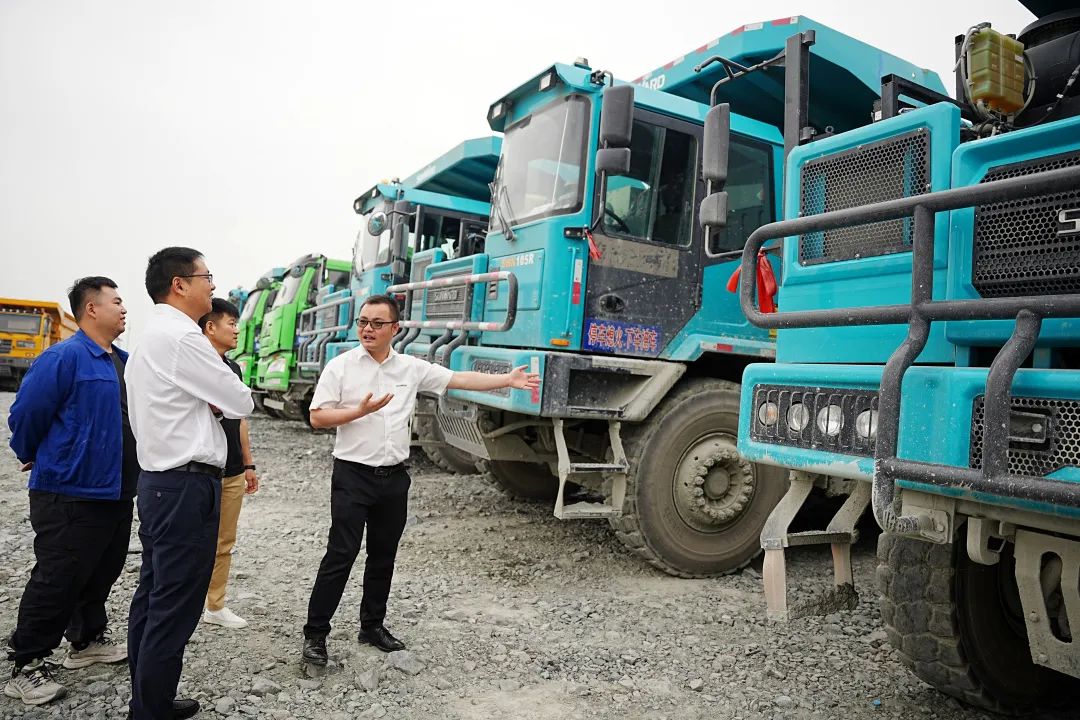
{"type": "Point", "coordinates": [959, 626]}
{"type": "Point", "coordinates": [446, 457]}
{"type": "Point", "coordinates": [694, 507]}
{"type": "Point", "coordinates": [532, 482]}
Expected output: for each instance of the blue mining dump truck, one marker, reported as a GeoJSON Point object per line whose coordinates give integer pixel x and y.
{"type": "Point", "coordinates": [440, 211]}
{"type": "Point", "coordinates": [928, 363]}
{"type": "Point", "coordinates": [598, 274]}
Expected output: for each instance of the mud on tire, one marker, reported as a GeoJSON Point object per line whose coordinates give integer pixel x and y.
{"type": "Point", "coordinates": [954, 623]}
{"type": "Point", "coordinates": [690, 437]}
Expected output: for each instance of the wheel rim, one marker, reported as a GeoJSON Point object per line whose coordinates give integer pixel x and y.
{"type": "Point", "coordinates": [712, 485]}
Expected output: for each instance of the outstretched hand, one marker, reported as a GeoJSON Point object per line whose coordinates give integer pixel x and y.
{"type": "Point", "coordinates": [368, 406]}
{"type": "Point", "coordinates": [524, 380]}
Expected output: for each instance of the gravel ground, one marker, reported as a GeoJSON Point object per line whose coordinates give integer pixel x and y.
{"type": "Point", "coordinates": [507, 612]}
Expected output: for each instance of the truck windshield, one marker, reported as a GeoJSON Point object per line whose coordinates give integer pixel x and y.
{"type": "Point", "coordinates": [540, 168]}
{"type": "Point", "coordinates": [288, 290]}
{"type": "Point", "coordinates": [249, 306]}
{"type": "Point", "coordinates": [371, 250]}
{"type": "Point", "coordinates": [13, 323]}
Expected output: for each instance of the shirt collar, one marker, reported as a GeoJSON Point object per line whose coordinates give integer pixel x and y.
{"type": "Point", "coordinates": [362, 352]}
{"type": "Point", "coordinates": [168, 310]}
{"type": "Point", "coordinates": [95, 349]}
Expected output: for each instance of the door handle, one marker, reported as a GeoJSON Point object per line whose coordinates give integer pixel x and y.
{"type": "Point", "coordinates": [612, 303]}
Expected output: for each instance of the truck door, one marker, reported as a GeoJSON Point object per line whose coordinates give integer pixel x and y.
{"type": "Point", "coordinates": [646, 284]}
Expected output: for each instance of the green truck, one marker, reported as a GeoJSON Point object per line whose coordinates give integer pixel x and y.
{"type": "Point", "coordinates": [282, 388]}
{"type": "Point", "coordinates": [254, 306]}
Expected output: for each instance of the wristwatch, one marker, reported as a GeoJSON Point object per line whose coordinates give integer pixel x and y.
{"type": "Point", "coordinates": [249, 467]}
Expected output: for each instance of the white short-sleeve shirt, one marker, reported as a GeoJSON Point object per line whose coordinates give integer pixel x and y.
{"type": "Point", "coordinates": [381, 438]}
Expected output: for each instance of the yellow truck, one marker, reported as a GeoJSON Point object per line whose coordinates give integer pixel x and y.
{"type": "Point", "coordinates": [27, 327]}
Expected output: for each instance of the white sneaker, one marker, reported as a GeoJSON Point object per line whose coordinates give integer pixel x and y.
{"type": "Point", "coordinates": [102, 650]}
{"type": "Point", "coordinates": [225, 618]}
{"type": "Point", "coordinates": [33, 684]}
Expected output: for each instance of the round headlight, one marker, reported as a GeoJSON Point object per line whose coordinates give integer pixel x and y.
{"type": "Point", "coordinates": [830, 419]}
{"type": "Point", "coordinates": [866, 424]}
{"type": "Point", "coordinates": [798, 417]}
{"type": "Point", "coordinates": [768, 413]}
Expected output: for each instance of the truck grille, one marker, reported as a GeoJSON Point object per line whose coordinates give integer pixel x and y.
{"type": "Point", "coordinates": [416, 274]}
{"type": "Point", "coordinates": [1032, 456]}
{"type": "Point", "coordinates": [447, 303]}
{"type": "Point", "coordinates": [894, 168]}
{"type": "Point", "coordinates": [1022, 247]}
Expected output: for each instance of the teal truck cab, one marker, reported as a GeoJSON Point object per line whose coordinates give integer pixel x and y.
{"type": "Point", "coordinates": [284, 389]}
{"type": "Point", "coordinates": [928, 363]}
{"type": "Point", "coordinates": [441, 210]}
{"type": "Point", "coordinates": [599, 275]}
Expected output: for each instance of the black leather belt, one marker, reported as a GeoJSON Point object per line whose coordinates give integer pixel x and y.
{"type": "Point", "coordinates": [381, 470]}
{"type": "Point", "coordinates": [201, 468]}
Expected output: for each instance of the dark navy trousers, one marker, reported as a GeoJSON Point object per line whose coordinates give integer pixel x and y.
{"type": "Point", "coordinates": [178, 515]}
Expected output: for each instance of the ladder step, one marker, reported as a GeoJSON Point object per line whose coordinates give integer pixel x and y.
{"type": "Point", "coordinates": [581, 468]}
{"type": "Point", "coordinates": [587, 510]}
{"type": "Point", "coordinates": [818, 537]}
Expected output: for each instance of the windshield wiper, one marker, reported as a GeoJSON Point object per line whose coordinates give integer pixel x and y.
{"type": "Point", "coordinates": [498, 194]}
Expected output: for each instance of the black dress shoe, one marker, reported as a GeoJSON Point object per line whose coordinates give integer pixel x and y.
{"type": "Point", "coordinates": [315, 650]}
{"type": "Point", "coordinates": [183, 708]}
{"type": "Point", "coordinates": [381, 638]}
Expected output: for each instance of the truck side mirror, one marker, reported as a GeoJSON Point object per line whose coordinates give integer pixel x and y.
{"type": "Point", "coordinates": [713, 210]}
{"type": "Point", "coordinates": [714, 151]}
{"type": "Point", "coordinates": [617, 116]}
{"type": "Point", "coordinates": [613, 161]}
{"type": "Point", "coordinates": [399, 238]}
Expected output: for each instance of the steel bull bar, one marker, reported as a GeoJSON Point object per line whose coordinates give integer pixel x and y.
{"type": "Point", "coordinates": [411, 328]}
{"type": "Point", "coordinates": [992, 477]}
{"type": "Point", "coordinates": [308, 321]}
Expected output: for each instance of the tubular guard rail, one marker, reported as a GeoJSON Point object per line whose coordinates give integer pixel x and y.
{"type": "Point", "coordinates": [411, 328]}
{"type": "Point", "coordinates": [993, 476]}
{"type": "Point", "coordinates": [308, 330]}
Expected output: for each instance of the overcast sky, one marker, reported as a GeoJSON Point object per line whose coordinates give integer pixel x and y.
{"type": "Point", "coordinates": [246, 128]}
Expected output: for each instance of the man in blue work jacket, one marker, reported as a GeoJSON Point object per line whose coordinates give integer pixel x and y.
{"type": "Point", "coordinates": [69, 428]}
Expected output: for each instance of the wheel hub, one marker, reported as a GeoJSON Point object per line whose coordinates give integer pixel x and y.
{"type": "Point", "coordinates": [713, 484]}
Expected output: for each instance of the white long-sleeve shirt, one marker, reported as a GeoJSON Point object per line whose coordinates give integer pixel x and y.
{"type": "Point", "coordinates": [173, 377]}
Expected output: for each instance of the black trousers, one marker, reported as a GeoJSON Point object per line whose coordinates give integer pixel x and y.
{"type": "Point", "coordinates": [358, 497]}
{"type": "Point", "coordinates": [178, 514]}
{"type": "Point", "coordinates": [79, 546]}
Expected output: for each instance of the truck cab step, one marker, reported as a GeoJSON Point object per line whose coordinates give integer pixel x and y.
{"type": "Point", "coordinates": [586, 511]}
{"type": "Point", "coordinates": [582, 468]}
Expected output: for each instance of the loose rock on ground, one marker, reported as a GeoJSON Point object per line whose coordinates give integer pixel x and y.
{"type": "Point", "coordinates": [507, 613]}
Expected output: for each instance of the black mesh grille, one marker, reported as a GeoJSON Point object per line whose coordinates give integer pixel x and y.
{"type": "Point", "coordinates": [895, 168]}
{"type": "Point", "coordinates": [851, 403]}
{"type": "Point", "coordinates": [1062, 445]}
{"type": "Point", "coordinates": [1022, 247]}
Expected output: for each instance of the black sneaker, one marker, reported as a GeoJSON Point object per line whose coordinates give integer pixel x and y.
{"type": "Point", "coordinates": [315, 651]}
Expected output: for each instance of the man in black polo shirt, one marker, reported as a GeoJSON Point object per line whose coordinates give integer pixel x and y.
{"type": "Point", "coordinates": [220, 326]}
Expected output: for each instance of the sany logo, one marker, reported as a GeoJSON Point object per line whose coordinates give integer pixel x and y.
{"type": "Point", "coordinates": [654, 83]}
{"type": "Point", "coordinates": [1069, 222]}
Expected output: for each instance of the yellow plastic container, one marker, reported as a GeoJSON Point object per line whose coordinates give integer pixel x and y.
{"type": "Point", "coordinates": [996, 70]}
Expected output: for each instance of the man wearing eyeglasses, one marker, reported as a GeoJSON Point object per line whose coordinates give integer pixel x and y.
{"type": "Point", "coordinates": [178, 389]}
{"type": "Point", "coordinates": [368, 394]}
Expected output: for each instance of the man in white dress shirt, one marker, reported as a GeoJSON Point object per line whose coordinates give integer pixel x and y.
{"type": "Point", "coordinates": [368, 394]}
{"type": "Point", "coordinates": [178, 389]}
